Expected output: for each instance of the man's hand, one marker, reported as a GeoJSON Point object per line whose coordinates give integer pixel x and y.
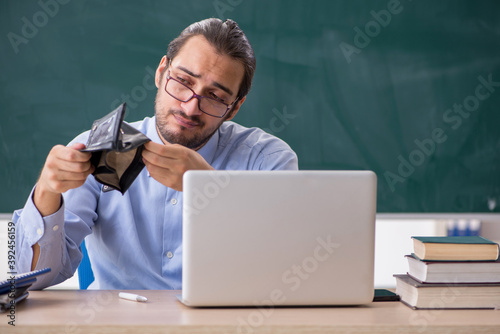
{"type": "Point", "coordinates": [65, 168]}
{"type": "Point", "coordinates": [168, 163]}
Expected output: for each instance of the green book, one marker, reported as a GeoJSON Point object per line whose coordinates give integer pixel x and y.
{"type": "Point", "coordinates": [463, 248]}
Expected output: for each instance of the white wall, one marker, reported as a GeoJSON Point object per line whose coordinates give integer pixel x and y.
{"type": "Point", "coordinates": [393, 241]}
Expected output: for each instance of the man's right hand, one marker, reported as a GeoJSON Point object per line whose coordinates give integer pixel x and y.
{"type": "Point", "coordinates": [65, 168]}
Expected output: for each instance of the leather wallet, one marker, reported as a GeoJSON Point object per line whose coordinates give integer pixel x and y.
{"type": "Point", "coordinates": [116, 149]}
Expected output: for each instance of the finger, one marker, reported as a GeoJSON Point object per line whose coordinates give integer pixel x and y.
{"type": "Point", "coordinates": [64, 180]}
{"type": "Point", "coordinates": [61, 181]}
{"type": "Point", "coordinates": [152, 158]}
{"type": "Point", "coordinates": [72, 176]}
{"type": "Point", "coordinates": [77, 146]}
{"type": "Point", "coordinates": [76, 167]}
{"type": "Point", "coordinates": [57, 163]}
{"type": "Point", "coordinates": [166, 150]}
{"type": "Point", "coordinates": [153, 147]}
{"type": "Point", "coordinates": [168, 179]}
{"type": "Point", "coordinates": [71, 154]}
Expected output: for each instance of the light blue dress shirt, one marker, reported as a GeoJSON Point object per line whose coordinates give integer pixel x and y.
{"type": "Point", "coordinates": [134, 240]}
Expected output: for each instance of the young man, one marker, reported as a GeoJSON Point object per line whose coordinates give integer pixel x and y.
{"type": "Point", "coordinates": [135, 240]}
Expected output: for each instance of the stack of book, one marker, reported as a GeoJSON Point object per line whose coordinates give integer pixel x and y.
{"type": "Point", "coordinates": [451, 272]}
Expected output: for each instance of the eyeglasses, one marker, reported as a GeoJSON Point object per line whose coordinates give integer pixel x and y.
{"type": "Point", "coordinates": [209, 105]}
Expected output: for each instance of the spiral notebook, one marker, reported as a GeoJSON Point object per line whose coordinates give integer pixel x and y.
{"type": "Point", "coordinates": [15, 287]}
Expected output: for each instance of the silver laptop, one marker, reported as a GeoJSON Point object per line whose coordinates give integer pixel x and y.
{"type": "Point", "coordinates": [274, 238]}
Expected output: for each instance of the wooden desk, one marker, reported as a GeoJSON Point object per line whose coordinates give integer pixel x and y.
{"type": "Point", "coordinates": [89, 312]}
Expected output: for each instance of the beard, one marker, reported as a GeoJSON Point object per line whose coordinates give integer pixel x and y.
{"type": "Point", "coordinates": [179, 134]}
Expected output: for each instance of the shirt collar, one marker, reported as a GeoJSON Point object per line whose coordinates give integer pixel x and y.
{"type": "Point", "coordinates": [208, 150]}
{"type": "Point", "coordinates": [153, 133]}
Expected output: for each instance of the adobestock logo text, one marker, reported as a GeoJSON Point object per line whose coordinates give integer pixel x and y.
{"type": "Point", "coordinates": [454, 117]}
{"type": "Point", "coordinates": [373, 28]}
{"type": "Point", "coordinates": [30, 28]}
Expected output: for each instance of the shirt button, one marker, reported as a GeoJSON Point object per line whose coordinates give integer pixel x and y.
{"type": "Point", "coordinates": [55, 228]}
{"type": "Point", "coordinates": [173, 201]}
{"type": "Point", "coordinates": [39, 231]}
{"type": "Point", "coordinates": [170, 255]}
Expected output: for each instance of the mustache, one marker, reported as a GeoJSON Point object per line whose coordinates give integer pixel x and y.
{"type": "Point", "coordinates": [195, 118]}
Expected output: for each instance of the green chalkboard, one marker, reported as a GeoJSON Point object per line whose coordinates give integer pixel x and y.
{"type": "Point", "coordinates": [408, 89]}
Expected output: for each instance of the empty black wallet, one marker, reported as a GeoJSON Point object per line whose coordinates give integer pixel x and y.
{"type": "Point", "coordinates": [116, 149]}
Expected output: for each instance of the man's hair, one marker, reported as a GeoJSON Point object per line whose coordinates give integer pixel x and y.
{"type": "Point", "coordinates": [227, 38]}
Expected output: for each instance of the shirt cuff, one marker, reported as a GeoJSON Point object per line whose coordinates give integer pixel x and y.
{"type": "Point", "coordinates": [42, 230]}
{"type": "Point", "coordinates": [48, 232]}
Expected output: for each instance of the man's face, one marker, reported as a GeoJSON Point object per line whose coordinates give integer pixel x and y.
{"type": "Point", "coordinates": [207, 73]}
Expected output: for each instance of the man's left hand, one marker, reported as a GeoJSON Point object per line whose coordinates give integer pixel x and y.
{"type": "Point", "coordinates": [167, 163]}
